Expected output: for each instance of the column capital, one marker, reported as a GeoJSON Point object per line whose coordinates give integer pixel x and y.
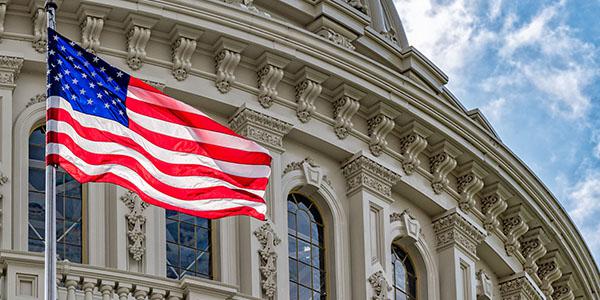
{"type": "Point", "coordinates": [10, 68]}
{"type": "Point", "coordinates": [454, 228]}
{"type": "Point", "coordinates": [362, 172]}
{"type": "Point", "coordinates": [519, 286]}
{"type": "Point", "coordinates": [261, 128]}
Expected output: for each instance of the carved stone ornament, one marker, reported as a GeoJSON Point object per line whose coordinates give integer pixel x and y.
{"type": "Point", "coordinates": [10, 67]}
{"type": "Point", "coordinates": [158, 85]}
{"type": "Point", "coordinates": [91, 28]}
{"type": "Point", "coordinates": [390, 35]}
{"type": "Point", "coordinates": [297, 165]}
{"type": "Point", "coordinates": [227, 57]}
{"type": "Point", "coordinates": [308, 89]}
{"type": "Point", "coordinates": [453, 229]}
{"type": "Point", "coordinates": [181, 55]}
{"type": "Point", "coordinates": [3, 180]}
{"type": "Point", "coordinates": [40, 30]}
{"type": "Point", "coordinates": [344, 108]}
{"type": "Point", "coordinates": [519, 286]}
{"type": "Point", "coordinates": [248, 5]}
{"type": "Point", "coordinates": [135, 224]}
{"type": "Point", "coordinates": [469, 183]}
{"type": "Point", "coordinates": [409, 226]}
{"type": "Point", "coordinates": [312, 172]}
{"type": "Point", "coordinates": [138, 34]}
{"type": "Point", "coordinates": [412, 143]}
{"type": "Point", "coordinates": [441, 162]}
{"type": "Point", "coordinates": [549, 271]}
{"type": "Point", "coordinates": [562, 288]}
{"type": "Point", "coordinates": [39, 98]}
{"type": "Point", "coordinates": [270, 74]}
{"type": "Point", "coordinates": [532, 249]}
{"type": "Point", "coordinates": [381, 287]}
{"type": "Point", "coordinates": [2, 17]}
{"type": "Point", "coordinates": [493, 203]}
{"type": "Point", "coordinates": [261, 128]}
{"type": "Point", "coordinates": [336, 38]}
{"type": "Point", "coordinates": [360, 5]}
{"type": "Point", "coordinates": [268, 258]}
{"type": "Point", "coordinates": [485, 288]}
{"type": "Point", "coordinates": [514, 226]}
{"type": "Point", "coordinates": [378, 128]}
{"type": "Point", "coordinates": [362, 172]}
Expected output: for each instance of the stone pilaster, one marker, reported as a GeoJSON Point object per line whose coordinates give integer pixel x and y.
{"type": "Point", "coordinates": [519, 287]}
{"type": "Point", "coordinates": [227, 57]}
{"type": "Point", "coordinates": [413, 141]}
{"type": "Point", "coordinates": [345, 105]}
{"type": "Point", "coordinates": [442, 161]}
{"type": "Point", "coordinates": [493, 203]}
{"type": "Point", "coordinates": [469, 182]}
{"type": "Point", "coordinates": [308, 90]}
{"type": "Point", "coordinates": [457, 240]}
{"type": "Point", "coordinates": [270, 73]}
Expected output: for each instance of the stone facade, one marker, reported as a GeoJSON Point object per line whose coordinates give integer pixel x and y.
{"type": "Point", "coordinates": [355, 119]}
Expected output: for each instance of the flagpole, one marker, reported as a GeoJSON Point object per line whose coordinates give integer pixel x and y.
{"type": "Point", "coordinates": [50, 249]}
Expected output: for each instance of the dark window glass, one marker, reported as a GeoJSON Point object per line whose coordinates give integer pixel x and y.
{"type": "Point", "coordinates": [69, 204]}
{"type": "Point", "coordinates": [188, 246]}
{"type": "Point", "coordinates": [306, 249]}
{"type": "Point", "coordinates": [405, 280]}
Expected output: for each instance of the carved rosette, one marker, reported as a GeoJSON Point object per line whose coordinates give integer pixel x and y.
{"type": "Point", "coordinates": [10, 67]}
{"type": "Point", "coordinates": [362, 172]}
{"type": "Point", "coordinates": [380, 286]}
{"type": "Point", "coordinates": [514, 226]}
{"type": "Point", "coordinates": [493, 203]}
{"type": "Point", "coordinates": [336, 38]}
{"type": "Point", "coordinates": [378, 128]}
{"type": "Point", "coordinates": [136, 224]}
{"type": "Point", "coordinates": [441, 162]}
{"type": "Point", "coordinates": [137, 39]}
{"type": "Point", "coordinates": [412, 143]}
{"type": "Point", "coordinates": [261, 128]}
{"type": "Point", "coordinates": [532, 249]}
{"type": "Point", "coordinates": [40, 30]}
{"type": "Point", "coordinates": [454, 230]}
{"type": "Point", "coordinates": [519, 286]}
{"type": "Point", "coordinates": [268, 263]}
{"type": "Point", "coordinates": [469, 183]}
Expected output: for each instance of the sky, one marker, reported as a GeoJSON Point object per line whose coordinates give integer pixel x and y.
{"type": "Point", "coordinates": [533, 69]}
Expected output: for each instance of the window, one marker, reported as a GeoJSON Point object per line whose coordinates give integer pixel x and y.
{"type": "Point", "coordinates": [69, 204]}
{"type": "Point", "coordinates": [405, 281]}
{"type": "Point", "coordinates": [188, 246]}
{"type": "Point", "coordinates": [306, 249]}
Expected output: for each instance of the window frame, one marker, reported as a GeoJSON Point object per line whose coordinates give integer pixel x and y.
{"type": "Point", "coordinates": [394, 285]}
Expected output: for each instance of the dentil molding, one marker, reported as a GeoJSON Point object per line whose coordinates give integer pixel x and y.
{"type": "Point", "coordinates": [362, 172]}
{"type": "Point", "coordinates": [268, 240]}
{"type": "Point", "coordinates": [263, 129]}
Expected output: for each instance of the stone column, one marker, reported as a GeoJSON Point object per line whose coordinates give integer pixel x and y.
{"type": "Point", "coordinates": [457, 240]}
{"type": "Point", "coordinates": [369, 192]}
{"type": "Point", "coordinates": [10, 67]}
{"type": "Point", "coordinates": [269, 132]}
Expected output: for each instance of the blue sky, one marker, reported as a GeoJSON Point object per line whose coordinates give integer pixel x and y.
{"type": "Point", "coordinates": [533, 68]}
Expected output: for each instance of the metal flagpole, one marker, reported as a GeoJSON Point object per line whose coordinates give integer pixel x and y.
{"type": "Point", "coordinates": [50, 253]}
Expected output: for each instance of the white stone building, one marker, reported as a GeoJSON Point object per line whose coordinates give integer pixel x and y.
{"type": "Point", "coordinates": [384, 186]}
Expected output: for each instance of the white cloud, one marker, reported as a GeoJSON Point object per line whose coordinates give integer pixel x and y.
{"type": "Point", "coordinates": [584, 200]}
{"type": "Point", "coordinates": [495, 109]}
{"type": "Point", "coordinates": [495, 9]}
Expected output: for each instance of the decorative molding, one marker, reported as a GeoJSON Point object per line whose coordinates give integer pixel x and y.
{"type": "Point", "coordinates": [270, 73]}
{"type": "Point", "coordinates": [469, 182]}
{"type": "Point", "coordinates": [519, 286]}
{"type": "Point", "coordinates": [413, 141]}
{"type": "Point", "coordinates": [344, 108]}
{"type": "Point", "coordinates": [136, 224]}
{"type": "Point", "coordinates": [308, 89]}
{"type": "Point", "coordinates": [563, 288]}
{"type": "Point", "coordinates": [39, 98]}
{"type": "Point", "coordinates": [312, 172]}
{"type": "Point", "coordinates": [493, 203]}
{"type": "Point", "coordinates": [138, 34]}
{"type": "Point", "coordinates": [485, 287]}
{"type": "Point", "coordinates": [3, 180]}
{"type": "Point", "coordinates": [514, 225]}
{"type": "Point", "coordinates": [248, 5]}
{"type": "Point", "coordinates": [390, 35]}
{"type": "Point", "coordinates": [336, 38]}
{"type": "Point", "coordinates": [91, 20]}
{"type": "Point", "coordinates": [549, 271]}
{"type": "Point", "coordinates": [532, 247]}
{"type": "Point", "coordinates": [268, 267]}
{"type": "Point", "coordinates": [360, 5]}
{"type": "Point", "coordinates": [297, 165]}
{"type": "Point", "coordinates": [183, 45]}
{"type": "Point", "coordinates": [409, 226]}
{"type": "Point", "coordinates": [10, 68]}
{"type": "Point", "coordinates": [362, 172]}
{"type": "Point", "coordinates": [259, 127]}
{"type": "Point", "coordinates": [380, 286]}
{"type": "Point", "coordinates": [453, 229]}
{"type": "Point", "coordinates": [441, 162]}
{"type": "Point", "coordinates": [380, 123]}
{"type": "Point", "coordinates": [227, 58]}
{"type": "Point", "coordinates": [40, 29]}
{"type": "Point", "coordinates": [157, 85]}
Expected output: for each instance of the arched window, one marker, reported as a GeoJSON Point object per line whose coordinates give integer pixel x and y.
{"type": "Point", "coordinates": [69, 204]}
{"type": "Point", "coordinates": [306, 249]}
{"type": "Point", "coordinates": [405, 280]}
{"type": "Point", "coordinates": [188, 245]}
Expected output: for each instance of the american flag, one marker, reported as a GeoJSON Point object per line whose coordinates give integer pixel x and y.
{"type": "Point", "coordinates": [104, 125]}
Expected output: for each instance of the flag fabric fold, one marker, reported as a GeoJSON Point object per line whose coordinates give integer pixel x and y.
{"type": "Point", "coordinates": [104, 125]}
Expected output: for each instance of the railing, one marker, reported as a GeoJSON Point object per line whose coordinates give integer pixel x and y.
{"type": "Point", "coordinates": [22, 277]}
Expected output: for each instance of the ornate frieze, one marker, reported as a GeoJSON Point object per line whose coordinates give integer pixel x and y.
{"type": "Point", "coordinates": [362, 172]}
{"type": "Point", "coordinates": [519, 287]}
{"type": "Point", "coordinates": [413, 141]}
{"type": "Point", "coordinates": [452, 229]}
{"type": "Point", "coordinates": [39, 98]}
{"type": "Point", "coordinates": [493, 203]}
{"type": "Point", "coordinates": [259, 127]}
{"type": "Point", "coordinates": [227, 57]}
{"type": "Point", "coordinates": [514, 225]}
{"type": "Point", "coordinates": [268, 266]}
{"type": "Point", "coordinates": [270, 73]}
{"type": "Point", "coordinates": [532, 246]}
{"type": "Point", "coordinates": [485, 288]}
{"type": "Point", "coordinates": [441, 162]}
{"type": "Point", "coordinates": [409, 226]}
{"type": "Point", "coordinates": [360, 5]}
{"type": "Point", "coordinates": [380, 286]}
{"type": "Point", "coordinates": [469, 182]}
{"type": "Point", "coordinates": [138, 34]}
{"type": "Point", "coordinates": [346, 104]}
{"type": "Point", "coordinates": [183, 46]}
{"type": "Point", "coordinates": [336, 37]}
{"type": "Point", "coordinates": [549, 271]}
{"type": "Point", "coordinates": [40, 29]}
{"type": "Point", "coordinates": [135, 224]}
{"type": "Point", "coordinates": [10, 67]}
{"type": "Point", "coordinates": [308, 89]}
{"type": "Point", "coordinates": [91, 20]}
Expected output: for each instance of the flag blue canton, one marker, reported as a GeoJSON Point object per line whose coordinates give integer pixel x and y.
{"type": "Point", "coordinates": [91, 85]}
